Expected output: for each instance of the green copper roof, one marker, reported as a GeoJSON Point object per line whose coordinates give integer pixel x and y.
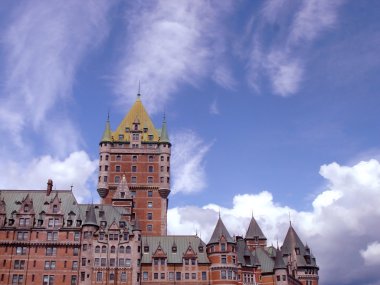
{"type": "Point", "coordinates": [107, 135]}
{"type": "Point", "coordinates": [164, 132]}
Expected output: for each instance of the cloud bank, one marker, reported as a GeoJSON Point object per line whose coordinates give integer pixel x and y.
{"type": "Point", "coordinates": [341, 228]}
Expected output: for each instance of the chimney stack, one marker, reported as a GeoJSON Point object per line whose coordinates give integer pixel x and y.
{"type": "Point", "coordinates": [49, 187]}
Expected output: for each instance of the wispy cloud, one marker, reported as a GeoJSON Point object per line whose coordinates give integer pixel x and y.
{"type": "Point", "coordinates": [44, 44]}
{"type": "Point", "coordinates": [188, 156]}
{"type": "Point", "coordinates": [171, 43]}
{"type": "Point", "coordinates": [282, 58]}
{"type": "Point", "coordinates": [346, 210]}
{"type": "Point", "coordinates": [214, 109]}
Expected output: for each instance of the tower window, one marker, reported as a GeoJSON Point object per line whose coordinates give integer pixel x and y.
{"type": "Point", "coordinates": [134, 158]}
{"type": "Point", "coordinates": [134, 168]}
{"type": "Point", "coordinates": [105, 178]}
{"type": "Point", "coordinates": [149, 216]}
{"type": "Point", "coordinates": [117, 179]}
{"type": "Point", "coordinates": [117, 168]}
{"type": "Point", "coordinates": [118, 157]}
{"type": "Point", "coordinates": [150, 168]}
{"type": "Point", "coordinates": [150, 204]}
{"type": "Point", "coordinates": [150, 179]}
{"type": "Point", "coordinates": [149, 228]}
{"type": "Point", "coordinates": [106, 167]}
{"type": "Point", "coordinates": [133, 179]}
{"type": "Point", "coordinates": [150, 193]}
{"type": "Point", "coordinates": [162, 158]}
{"type": "Point", "coordinates": [107, 157]}
{"type": "Point", "coordinates": [150, 158]}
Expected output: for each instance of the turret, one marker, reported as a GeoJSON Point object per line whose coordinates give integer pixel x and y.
{"type": "Point", "coordinates": [221, 250]}
{"type": "Point", "coordinates": [104, 160]}
{"type": "Point", "coordinates": [254, 236]}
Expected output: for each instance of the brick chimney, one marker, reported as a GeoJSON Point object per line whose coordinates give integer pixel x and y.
{"type": "Point", "coordinates": [49, 187]}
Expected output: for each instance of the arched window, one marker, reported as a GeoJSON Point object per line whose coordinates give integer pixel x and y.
{"type": "Point", "coordinates": [121, 249]}
{"type": "Point", "coordinates": [97, 249]}
{"type": "Point", "coordinates": [113, 249]}
{"type": "Point", "coordinates": [128, 249]}
{"type": "Point", "coordinates": [104, 249]}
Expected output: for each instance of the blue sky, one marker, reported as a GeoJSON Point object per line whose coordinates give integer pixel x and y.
{"type": "Point", "coordinates": [272, 108]}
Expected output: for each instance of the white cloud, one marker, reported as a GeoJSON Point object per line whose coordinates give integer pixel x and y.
{"type": "Point", "coordinates": [77, 169]}
{"type": "Point", "coordinates": [170, 43]}
{"type": "Point", "coordinates": [188, 173]}
{"type": "Point", "coordinates": [44, 44]}
{"type": "Point", "coordinates": [343, 221]}
{"type": "Point", "coordinates": [371, 254]}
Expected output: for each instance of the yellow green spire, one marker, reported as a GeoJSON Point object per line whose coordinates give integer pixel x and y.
{"type": "Point", "coordinates": [164, 132]}
{"type": "Point", "coordinates": [107, 135]}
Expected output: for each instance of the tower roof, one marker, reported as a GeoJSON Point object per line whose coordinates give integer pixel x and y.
{"type": "Point", "coordinates": [219, 231]}
{"type": "Point", "coordinates": [107, 134]}
{"type": "Point", "coordinates": [254, 230]}
{"type": "Point", "coordinates": [164, 132]}
{"type": "Point", "coordinates": [137, 115]}
{"type": "Point", "coordinates": [90, 216]}
{"type": "Point", "coordinates": [291, 242]}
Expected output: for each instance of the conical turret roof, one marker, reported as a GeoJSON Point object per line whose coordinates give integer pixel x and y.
{"type": "Point", "coordinates": [254, 230]}
{"type": "Point", "coordinates": [291, 242]}
{"type": "Point", "coordinates": [219, 231]}
{"type": "Point", "coordinates": [164, 138]}
{"type": "Point", "coordinates": [107, 134]}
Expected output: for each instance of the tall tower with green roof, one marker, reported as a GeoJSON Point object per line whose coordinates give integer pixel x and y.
{"type": "Point", "coordinates": [140, 152]}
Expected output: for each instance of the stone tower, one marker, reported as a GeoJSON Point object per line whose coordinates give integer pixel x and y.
{"type": "Point", "coordinates": [138, 154]}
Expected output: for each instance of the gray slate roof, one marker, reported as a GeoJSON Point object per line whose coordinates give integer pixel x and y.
{"type": "Point", "coordinates": [254, 230]}
{"type": "Point", "coordinates": [291, 242]}
{"type": "Point", "coordinates": [166, 242]}
{"type": "Point", "coordinates": [245, 257]}
{"type": "Point", "coordinates": [219, 231]}
{"type": "Point", "coordinates": [279, 261]}
{"type": "Point", "coordinates": [69, 205]}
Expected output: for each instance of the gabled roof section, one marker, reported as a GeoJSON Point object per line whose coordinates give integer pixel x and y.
{"type": "Point", "coordinates": [122, 190]}
{"type": "Point", "coordinates": [219, 231]}
{"type": "Point", "coordinates": [107, 134]}
{"type": "Point", "coordinates": [254, 230]}
{"type": "Point", "coordinates": [279, 261]}
{"type": "Point", "coordinates": [90, 217]}
{"type": "Point", "coordinates": [137, 114]}
{"type": "Point", "coordinates": [159, 253]}
{"type": "Point", "coordinates": [180, 242]}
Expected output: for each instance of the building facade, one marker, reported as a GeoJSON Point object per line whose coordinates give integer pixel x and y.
{"type": "Point", "coordinates": [48, 238]}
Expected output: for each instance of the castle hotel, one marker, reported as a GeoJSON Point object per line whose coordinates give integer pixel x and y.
{"type": "Point", "coordinates": [48, 238]}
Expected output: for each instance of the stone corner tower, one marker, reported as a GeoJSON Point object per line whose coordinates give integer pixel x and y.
{"type": "Point", "coordinates": [138, 154]}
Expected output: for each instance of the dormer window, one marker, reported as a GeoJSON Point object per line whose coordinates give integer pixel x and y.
{"type": "Point", "coordinates": [200, 248]}
{"type": "Point", "coordinates": [103, 224]}
{"type": "Point", "coordinates": [127, 130]}
{"type": "Point", "coordinates": [55, 209]}
{"type": "Point", "coordinates": [135, 137]}
{"type": "Point", "coordinates": [297, 251]}
{"type": "Point", "coordinates": [79, 223]}
{"type": "Point", "coordinates": [145, 130]}
{"type": "Point", "coordinates": [122, 194]}
{"type": "Point", "coordinates": [121, 137]}
{"type": "Point", "coordinates": [146, 249]}
{"type": "Point", "coordinates": [150, 137]}
{"type": "Point", "coordinates": [223, 247]}
{"type": "Point", "coordinates": [136, 127]}
{"type": "Point", "coordinates": [26, 208]}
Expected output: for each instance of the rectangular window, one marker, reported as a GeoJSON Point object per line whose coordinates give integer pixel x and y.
{"type": "Point", "coordinates": [51, 251]}
{"type": "Point", "coordinates": [155, 275]}
{"type": "Point", "coordinates": [135, 137]}
{"type": "Point", "coordinates": [150, 179]}
{"type": "Point", "coordinates": [145, 275]}
{"type": "Point", "coordinates": [193, 275]}
{"type": "Point", "coordinates": [223, 274]}
{"type": "Point", "coordinates": [73, 280]}
{"type": "Point", "coordinates": [150, 168]}
{"type": "Point", "coordinates": [171, 275]}
{"type": "Point", "coordinates": [187, 276]}
{"type": "Point", "coordinates": [105, 179]}
{"type": "Point", "coordinates": [204, 275]}
{"type": "Point", "coordinates": [117, 168]}
{"type": "Point", "coordinates": [134, 180]}
{"type": "Point", "coordinates": [224, 259]}
{"type": "Point", "coordinates": [150, 193]}
{"type": "Point", "coordinates": [149, 216]}
{"type": "Point", "coordinates": [103, 262]}
{"type": "Point", "coordinates": [162, 275]}
{"type": "Point", "coordinates": [75, 265]}
{"type": "Point", "coordinates": [99, 276]}
{"type": "Point", "coordinates": [123, 276]}
{"type": "Point", "coordinates": [48, 280]}
{"type": "Point", "coordinates": [76, 236]}
{"type": "Point", "coordinates": [75, 251]}
{"type": "Point", "coordinates": [178, 275]}
{"type": "Point", "coordinates": [134, 168]}
{"type": "Point", "coordinates": [20, 250]}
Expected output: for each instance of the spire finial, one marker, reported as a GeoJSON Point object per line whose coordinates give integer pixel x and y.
{"type": "Point", "coordinates": [108, 115]}
{"type": "Point", "coordinates": [290, 220]}
{"type": "Point", "coordinates": [139, 94]}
